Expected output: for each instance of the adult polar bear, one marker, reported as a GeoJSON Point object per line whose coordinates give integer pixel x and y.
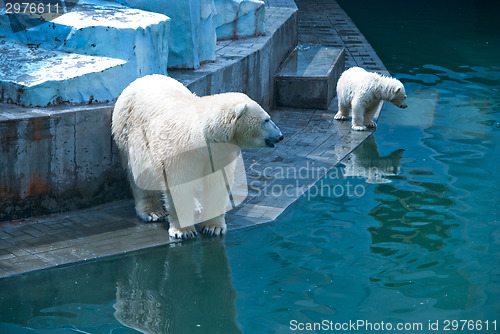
{"type": "Point", "coordinates": [363, 92]}
{"type": "Point", "coordinates": [160, 128]}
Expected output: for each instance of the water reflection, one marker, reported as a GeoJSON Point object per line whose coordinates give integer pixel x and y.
{"type": "Point", "coordinates": [188, 289]}
{"type": "Point", "coordinates": [182, 288]}
{"type": "Point", "coordinates": [365, 161]}
{"type": "Point", "coordinates": [415, 211]}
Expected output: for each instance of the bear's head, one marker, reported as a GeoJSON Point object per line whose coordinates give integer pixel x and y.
{"type": "Point", "coordinates": [236, 119]}
{"type": "Point", "coordinates": [398, 93]}
{"type": "Point", "coordinates": [254, 127]}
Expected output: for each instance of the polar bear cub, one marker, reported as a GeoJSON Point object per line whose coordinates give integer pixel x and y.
{"type": "Point", "coordinates": [363, 92]}
{"type": "Point", "coordinates": [164, 133]}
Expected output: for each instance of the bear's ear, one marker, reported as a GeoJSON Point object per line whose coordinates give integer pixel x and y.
{"type": "Point", "coordinates": [240, 109]}
{"type": "Point", "coordinates": [394, 92]}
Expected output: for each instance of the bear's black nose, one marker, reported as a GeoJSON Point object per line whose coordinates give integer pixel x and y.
{"type": "Point", "coordinates": [281, 138]}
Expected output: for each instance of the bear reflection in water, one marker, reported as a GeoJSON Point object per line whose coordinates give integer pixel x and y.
{"type": "Point", "coordinates": [187, 290]}
{"type": "Point", "coordinates": [365, 161]}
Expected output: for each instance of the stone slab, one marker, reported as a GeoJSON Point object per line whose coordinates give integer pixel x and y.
{"type": "Point", "coordinates": [239, 18]}
{"type": "Point", "coordinates": [55, 159]}
{"type": "Point", "coordinates": [33, 76]}
{"type": "Point", "coordinates": [99, 28]}
{"type": "Point", "coordinates": [308, 77]}
{"type": "Point", "coordinates": [89, 54]}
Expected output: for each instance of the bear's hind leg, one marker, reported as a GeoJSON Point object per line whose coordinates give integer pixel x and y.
{"type": "Point", "coordinates": [148, 204]}
{"type": "Point", "coordinates": [343, 113]}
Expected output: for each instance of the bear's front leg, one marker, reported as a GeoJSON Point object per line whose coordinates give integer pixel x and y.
{"type": "Point", "coordinates": [358, 116]}
{"type": "Point", "coordinates": [370, 124]}
{"type": "Point", "coordinates": [357, 120]}
{"type": "Point", "coordinates": [184, 212]}
{"type": "Point", "coordinates": [369, 113]}
{"type": "Point", "coordinates": [215, 197]}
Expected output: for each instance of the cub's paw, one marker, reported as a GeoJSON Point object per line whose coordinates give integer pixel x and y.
{"type": "Point", "coordinates": [213, 229]}
{"type": "Point", "coordinates": [371, 124]}
{"type": "Point", "coordinates": [183, 232]}
{"type": "Point", "coordinates": [152, 216]}
{"type": "Point", "coordinates": [340, 117]}
{"type": "Point", "coordinates": [358, 128]}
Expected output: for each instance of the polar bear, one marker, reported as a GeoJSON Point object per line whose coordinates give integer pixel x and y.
{"type": "Point", "coordinates": [163, 131]}
{"type": "Point", "coordinates": [363, 92]}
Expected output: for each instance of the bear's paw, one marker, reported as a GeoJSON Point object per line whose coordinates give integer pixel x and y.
{"type": "Point", "coordinates": [183, 232]}
{"type": "Point", "coordinates": [359, 128]}
{"type": "Point", "coordinates": [340, 117]}
{"type": "Point", "coordinates": [153, 215]}
{"type": "Point", "coordinates": [371, 124]}
{"type": "Point", "coordinates": [213, 229]}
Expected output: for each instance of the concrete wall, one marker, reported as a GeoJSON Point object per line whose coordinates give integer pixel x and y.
{"type": "Point", "coordinates": [56, 160]}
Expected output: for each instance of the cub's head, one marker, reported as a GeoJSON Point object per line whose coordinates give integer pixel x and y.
{"type": "Point", "coordinates": [254, 127]}
{"type": "Point", "coordinates": [398, 93]}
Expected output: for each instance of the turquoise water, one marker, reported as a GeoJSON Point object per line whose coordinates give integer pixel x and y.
{"type": "Point", "coordinates": [422, 248]}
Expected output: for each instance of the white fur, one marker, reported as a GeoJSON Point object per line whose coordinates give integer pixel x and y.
{"type": "Point", "coordinates": [363, 92]}
{"type": "Point", "coordinates": [157, 120]}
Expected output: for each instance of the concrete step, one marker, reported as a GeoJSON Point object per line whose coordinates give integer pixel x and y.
{"type": "Point", "coordinates": [308, 77]}
{"type": "Point", "coordinates": [32, 76]}
{"type": "Point", "coordinates": [64, 54]}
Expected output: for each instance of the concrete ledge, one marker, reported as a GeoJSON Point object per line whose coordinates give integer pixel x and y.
{"type": "Point", "coordinates": [63, 158]}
